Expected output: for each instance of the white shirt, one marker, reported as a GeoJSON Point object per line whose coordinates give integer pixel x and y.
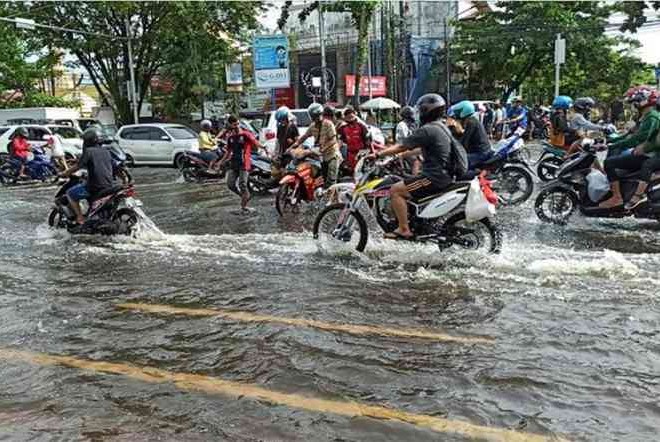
{"type": "Point", "coordinates": [57, 149]}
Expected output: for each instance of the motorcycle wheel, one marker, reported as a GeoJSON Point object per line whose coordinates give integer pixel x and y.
{"type": "Point", "coordinates": [480, 235]}
{"type": "Point", "coordinates": [7, 176]}
{"type": "Point", "coordinates": [283, 200]}
{"type": "Point", "coordinates": [255, 187]}
{"type": "Point", "coordinates": [514, 185]}
{"type": "Point", "coordinates": [333, 225]}
{"type": "Point", "coordinates": [555, 205]}
{"type": "Point", "coordinates": [56, 219]}
{"type": "Point", "coordinates": [384, 214]}
{"type": "Point", "coordinates": [189, 175]}
{"type": "Point", "coordinates": [125, 176]}
{"type": "Point", "coordinates": [126, 220]}
{"type": "Point", "coordinates": [547, 168]}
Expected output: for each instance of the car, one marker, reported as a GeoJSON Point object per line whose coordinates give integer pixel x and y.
{"type": "Point", "coordinates": [37, 136]}
{"type": "Point", "coordinates": [268, 132]}
{"type": "Point", "coordinates": [70, 136]}
{"type": "Point", "coordinates": [156, 144]}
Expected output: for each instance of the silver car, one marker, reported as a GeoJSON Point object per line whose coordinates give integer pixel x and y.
{"type": "Point", "coordinates": [156, 144]}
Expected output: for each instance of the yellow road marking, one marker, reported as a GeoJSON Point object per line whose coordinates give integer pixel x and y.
{"type": "Point", "coordinates": [311, 323]}
{"type": "Point", "coordinates": [207, 384]}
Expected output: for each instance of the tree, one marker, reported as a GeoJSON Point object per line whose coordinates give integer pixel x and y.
{"type": "Point", "coordinates": [635, 13]}
{"type": "Point", "coordinates": [361, 15]}
{"type": "Point", "coordinates": [514, 44]}
{"type": "Point", "coordinates": [162, 33]}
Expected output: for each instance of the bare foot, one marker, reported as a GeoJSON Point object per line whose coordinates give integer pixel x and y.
{"type": "Point", "coordinates": [610, 203]}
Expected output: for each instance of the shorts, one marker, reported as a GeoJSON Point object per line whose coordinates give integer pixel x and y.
{"type": "Point", "coordinates": [237, 181]}
{"type": "Point", "coordinates": [420, 188]}
{"type": "Point", "coordinates": [20, 160]}
{"type": "Point", "coordinates": [208, 155]}
{"type": "Point", "coordinates": [78, 192]}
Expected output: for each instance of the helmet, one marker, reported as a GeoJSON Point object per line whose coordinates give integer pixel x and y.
{"type": "Point", "coordinates": [22, 132]}
{"type": "Point", "coordinates": [407, 113]}
{"type": "Point", "coordinates": [282, 114]}
{"type": "Point", "coordinates": [206, 125]}
{"type": "Point", "coordinates": [328, 111]}
{"type": "Point", "coordinates": [642, 96]}
{"type": "Point", "coordinates": [462, 109]}
{"type": "Point", "coordinates": [584, 104]}
{"type": "Point", "coordinates": [91, 136]}
{"type": "Point", "coordinates": [562, 102]}
{"type": "Point", "coordinates": [315, 110]}
{"type": "Point", "coordinates": [428, 103]}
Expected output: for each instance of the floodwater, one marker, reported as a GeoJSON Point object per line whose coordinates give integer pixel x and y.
{"type": "Point", "coordinates": [227, 327]}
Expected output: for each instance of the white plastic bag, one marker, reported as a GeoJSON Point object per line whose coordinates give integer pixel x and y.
{"type": "Point", "coordinates": [598, 185]}
{"type": "Point", "coordinates": [477, 206]}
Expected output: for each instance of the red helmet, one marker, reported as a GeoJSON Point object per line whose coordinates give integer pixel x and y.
{"type": "Point", "coordinates": [642, 96]}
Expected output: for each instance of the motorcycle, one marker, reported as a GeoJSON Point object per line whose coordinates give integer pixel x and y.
{"type": "Point", "coordinates": [260, 179]}
{"type": "Point", "coordinates": [438, 219]}
{"type": "Point", "coordinates": [40, 168]}
{"type": "Point", "coordinates": [509, 171]}
{"type": "Point", "coordinates": [194, 168]}
{"type": "Point", "coordinates": [301, 182]}
{"type": "Point", "coordinates": [119, 166]}
{"type": "Point", "coordinates": [113, 212]}
{"type": "Point", "coordinates": [559, 199]}
{"type": "Point", "coordinates": [541, 126]}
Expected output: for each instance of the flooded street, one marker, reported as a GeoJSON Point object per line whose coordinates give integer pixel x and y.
{"type": "Point", "coordinates": [226, 327]}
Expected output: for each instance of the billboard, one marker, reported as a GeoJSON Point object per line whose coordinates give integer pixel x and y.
{"type": "Point", "coordinates": [378, 86]}
{"type": "Point", "coordinates": [234, 73]}
{"type": "Point", "coordinates": [271, 61]}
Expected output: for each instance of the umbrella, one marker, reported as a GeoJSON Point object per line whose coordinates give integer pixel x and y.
{"type": "Point", "coordinates": [380, 103]}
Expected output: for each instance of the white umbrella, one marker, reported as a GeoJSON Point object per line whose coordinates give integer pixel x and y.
{"type": "Point", "coordinates": [380, 103]}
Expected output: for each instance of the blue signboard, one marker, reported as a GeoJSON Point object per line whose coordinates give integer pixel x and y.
{"type": "Point", "coordinates": [657, 74]}
{"type": "Point", "coordinates": [271, 61]}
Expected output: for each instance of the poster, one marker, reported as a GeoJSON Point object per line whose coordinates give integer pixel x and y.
{"type": "Point", "coordinates": [271, 61]}
{"type": "Point", "coordinates": [234, 73]}
{"type": "Point", "coordinates": [378, 86]}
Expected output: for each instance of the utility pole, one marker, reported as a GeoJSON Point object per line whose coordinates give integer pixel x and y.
{"type": "Point", "coordinates": [447, 63]}
{"type": "Point", "coordinates": [324, 75]}
{"type": "Point", "coordinates": [560, 58]}
{"type": "Point", "coordinates": [131, 68]}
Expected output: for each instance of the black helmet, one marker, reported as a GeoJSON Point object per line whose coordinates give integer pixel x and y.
{"type": "Point", "coordinates": [584, 104]}
{"type": "Point", "coordinates": [407, 113]}
{"type": "Point", "coordinates": [328, 111]}
{"type": "Point", "coordinates": [427, 104]}
{"type": "Point", "coordinates": [91, 136]}
{"type": "Point", "coordinates": [315, 110]}
{"type": "Point", "coordinates": [22, 132]}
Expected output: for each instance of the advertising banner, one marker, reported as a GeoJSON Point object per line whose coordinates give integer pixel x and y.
{"type": "Point", "coordinates": [271, 61]}
{"type": "Point", "coordinates": [378, 86]}
{"type": "Point", "coordinates": [234, 73]}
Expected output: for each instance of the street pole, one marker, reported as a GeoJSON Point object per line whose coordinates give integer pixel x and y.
{"type": "Point", "coordinates": [131, 68]}
{"type": "Point", "coordinates": [368, 68]}
{"type": "Point", "coordinates": [324, 79]}
{"type": "Point", "coordinates": [447, 63]}
{"type": "Point", "coordinates": [560, 57]}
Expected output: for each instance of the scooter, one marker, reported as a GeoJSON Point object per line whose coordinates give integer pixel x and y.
{"type": "Point", "coordinates": [260, 179]}
{"type": "Point", "coordinates": [40, 168]}
{"type": "Point", "coordinates": [560, 198]}
{"type": "Point", "coordinates": [194, 168]}
{"type": "Point", "coordinates": [301, 182]}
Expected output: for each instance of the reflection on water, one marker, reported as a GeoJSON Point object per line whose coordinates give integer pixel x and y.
{"type": "Point", "coordinates": [571, 314]}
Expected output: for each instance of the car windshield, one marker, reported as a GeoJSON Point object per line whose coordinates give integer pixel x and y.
{"type": "Point", "coordinates": [302, 118]}
{"type": "Point", "coordinates": [65, 132]}
{"type": "Point", "coordinates": [3, 130]}
{"type": "Point", "coordinates": [181, 133]}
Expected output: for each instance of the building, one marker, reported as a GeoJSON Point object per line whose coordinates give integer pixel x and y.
{"type": "Point", "coordinates": [404, 40]}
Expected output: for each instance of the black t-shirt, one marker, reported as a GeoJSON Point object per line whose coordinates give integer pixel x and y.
{"type": "Point", "coordinates": [98, 162]}
{"type": "Point", "coordinates": [474, 138]}
{"type": "Point", "coordinates": [285, 133]}
{"type": "Point", "coordinates": [436, 150]}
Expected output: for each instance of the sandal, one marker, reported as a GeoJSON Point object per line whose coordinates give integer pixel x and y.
{"type": "Point", "coordinates": [398, 236]}
{"type": "Point", "coordinates": [635, 201]}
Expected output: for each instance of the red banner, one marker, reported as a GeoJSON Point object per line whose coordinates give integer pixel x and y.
{"type": "Point", "coordinates": [378, 86]}
{"type": "Point", "coordinates": [285, 97]}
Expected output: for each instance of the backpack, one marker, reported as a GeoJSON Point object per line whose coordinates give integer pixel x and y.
{"type": "Point", "coordinates": [458, 160]}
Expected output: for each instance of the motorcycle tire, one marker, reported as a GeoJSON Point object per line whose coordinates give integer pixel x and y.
{"type": "Point", "coordinates": [7, 175]}
{"type": "Point", "coordinates": [281, 200]}
{"type": "Point", "coordinates": [189, 175]}
{"type": "Point", "coordinates": [56, 219]}
{"type": "Point", "coordinates": [126, 220]}
{"type": "Point", "coordinates": [563, 204]}
{"type": "Point", "coordinates": [124, 175]}
{"type": "Point", "coordinates": [458, 227]}
{"type": "Point", "coordinates": [547, 168]}
{"type": "Point", "coordinates": [336, 210]}
{"type": "Point", "coordinates": [255, 187]}
{"type": "Point", "coordinates": [505, 179]}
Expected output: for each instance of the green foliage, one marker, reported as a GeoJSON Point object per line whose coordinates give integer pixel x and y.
{"type": "Point", "coordinates": [187, 41]}
{"type": "Point", "coordinates": [39, 99]}
{"type": "Point", "coordinates": [596, 64]}
{"type": "Point", "coordinates": [635, 11]}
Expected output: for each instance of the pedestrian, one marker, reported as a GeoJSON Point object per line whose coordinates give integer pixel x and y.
{"type": "Point", "coordinates": [616, 111]}
{"type": "Point", "coordinates": [240, 143]}
{"type": "Point", "coordinates": [488, 118]}
{"type": "Point", "coordinates": [498, 121]}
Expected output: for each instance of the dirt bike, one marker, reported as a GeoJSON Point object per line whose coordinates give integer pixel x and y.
{"type": "Point", "coordinates": [439, 219]}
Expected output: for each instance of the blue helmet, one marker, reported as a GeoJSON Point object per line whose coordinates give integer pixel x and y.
{"type": "Point", "coordinates": [282, 114]}
{"type": "Point", "coordinates": [562, 102]}
{"type": "Point", "coordinates": [462, 109]}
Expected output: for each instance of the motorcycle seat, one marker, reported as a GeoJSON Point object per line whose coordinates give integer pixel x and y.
{"type": "Point", "coordinates": [110, 191]}
{"type": "Point", "coordinates": [456, 185]}
{"type": "Point", "coordinates": [629, 175]}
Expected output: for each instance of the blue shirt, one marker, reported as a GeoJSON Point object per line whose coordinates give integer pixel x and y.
{"type": "Point", "coordinates": [515, 112]}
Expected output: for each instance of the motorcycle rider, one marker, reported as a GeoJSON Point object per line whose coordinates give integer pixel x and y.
{"type": "Point", "coordinates": [645, 153]}
{"type": "Point", "coordinates": [325, 137]}
{"type": "Point", "coordinates": [239, 151]}
{"type": "Point", "coordinates": [287, 134]}
{"type": "Point", "coordinates": [579, 120]}
{"type": "Point", "coordinates": [207, 143]}
{"type": "Point", "coordinates": [100, 177]}
{"type": "Point", "coordinates": [561, 135]}
{"type": "Point", "coordinates": [19, 149]}
{"type": "Point", "coordinates": [433, 139]}
{"type": "Point", "coordinates": [471, 133]}
{"type": "Point", "coordinates": [517, 116]}
{"type": "Point", "coordinates": [404, 128]}
{"type": "Point", "coordinates": [355, 134]}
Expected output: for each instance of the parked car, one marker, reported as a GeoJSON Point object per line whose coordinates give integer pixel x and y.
{"type": "Point", "coordinates": [268, 132]}
{"type": "Point", "coordinates": [156, 144]}
{"type": "Point", "coordinates": [37, 136]}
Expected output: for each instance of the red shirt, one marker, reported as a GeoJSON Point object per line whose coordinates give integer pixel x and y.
{"type": "Point", "coordinates": [20, 147]}
{"type": "Point", "coordinates": [240, 144]}
{"type": "Point", "coordinates": [354, 134]}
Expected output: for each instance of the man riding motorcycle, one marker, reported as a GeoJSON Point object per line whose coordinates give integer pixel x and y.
{"type": "Point", "coordinates": [403, 130]}
{"type": "Point", "coordinates": [19, 149]}
{"type": "Point", "coordinates": [325, 137]}
{"type": "Point", "coordinates": [646, 153]}
{"type": "Point", "coordinates": [433, 140]}
{"type": "Point", "coordinates": [561, 135]}
{"type": "Point", "coordinates": [207, 143]}
{"type": "Point", "coordinates": [471, 133]}
{"type": "Point", "coordinates": [355, 134]}
{"type": "Point", "coordinates": [517, 116]}
{"type": "Point", "coordinates": [287, 134]}
{"type": "Point", "coordinates": [100, 177]}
